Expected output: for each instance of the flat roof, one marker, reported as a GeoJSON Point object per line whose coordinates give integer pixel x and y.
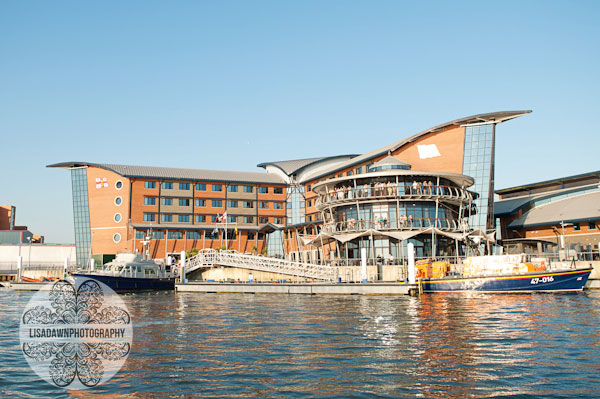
{"type": "Point", "coordinates": [159, 172]}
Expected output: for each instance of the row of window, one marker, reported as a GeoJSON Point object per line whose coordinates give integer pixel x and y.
{"type": "Point", "coordinates": [232, 188]}
{"type": "Point", "coordinates": [151, 217]}
{"type": "Point", "coordinates": [214, 203]}
{"type": "Point", "coordinates": [190, 235]}
{"type": "Point", "coordinates": [591, 226]}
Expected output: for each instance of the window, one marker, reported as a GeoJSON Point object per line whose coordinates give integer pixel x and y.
{"type": "Point", "coordinates": [289, 205]}
{"type": "Point", "coordinates": [576, 227]}
{"type": "Point", "coordinates": [184, 202]}
{"type": "Point", "coordinates": [309, 218]}
{"type": "Point", "coordinates": [167, 186]}
{"type": "Point", "coordinates": [263, 205]}
{"type": "Point", "coordinates": [150, 184]}
{"type": "Point", "coordinates": [184, 218]}
{"type": "Point", "coordinates": [217, 203]}
{"type": "Point", "coordinates": [359, 170]}
{"type": "Point", "coordinates": [200, 187]}
{"type": "Point", "coordinates": [166, 218]}
{"type": "Point", "coordinates": [200, 202]}
{"type": "Point", "coordinates": [308, 188]}
{"type": "Point", "coordinates": [340, 175]}
{"type": "Point", "coordinates": [149, 217]}
{"type": "Point", "coordinates": [184, 186]}
{"type": "Point", "coordinates": [140, 235]}
{"type": "Point", "coordinates": [248, 189]}
{"type": "Point", "coordinates": [118, 201]}
{"type": "Point", "coordinates": [278, 190]}
{"type": "Point", "coordinates": [263, 190]}
{"type": "Point", "coordinates": [277, 205]}
{"type": "Point", "coordinates": [591, 225]}
{"type": "Point", "coordinates": [232, 204]}
{"type": "Point", "coordinates": [119, 185]}
{"type": "Point", "coordinates": [278, 220]}
{"type": "Point", "coordinates": [232, 189]}
{"type": "Point", "coordinates": [213, 218]}
{"type": "Point", "coordinates": [117, 217]}
{"type": "Point", "coordinates": [261, 236]}
{"type": "Point", "coordinates": [194, 235]}
{"type": "Point", "coordinates": [250, 235]}
{"type": "Point", "coordinates": [349, 173]}
{"type": "Point", "coordinates": [175, 235]}
{"type": "Point", "coordinates": [263, 220]}
{"type": "Point", "coordinates": [248, 204]}
{"type": "Point", "coordinates": [248, 219]}
{"type": "Point", "coordinates": [231, 219]}
{"type": "Point", "coordinates": [217, 187]}
{"type": "Point", "coordinates": [308, 203]}
{"type": "Point", "coordinates": [117, 237]}
{"type": "Point", "coordinates": [200, 219]}
{"type": "Point", "coordinates": [166, 201]}
{"type": "Point", "coordinates": [158, 235]}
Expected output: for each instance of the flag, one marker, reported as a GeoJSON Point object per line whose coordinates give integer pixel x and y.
{"type": "Point", "coordinates": [224, 217]}
{"type": "Point", "coordinates": [235, 229]}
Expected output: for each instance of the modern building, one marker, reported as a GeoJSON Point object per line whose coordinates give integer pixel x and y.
{"type": "Point", "coordinates": [12, 234]}
{"type": "Point", "coordinates": [290, 211]}
{"type": "Point", "coordinates": [558, 217]}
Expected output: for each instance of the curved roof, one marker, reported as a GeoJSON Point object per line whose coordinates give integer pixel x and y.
{"type": "Point", "coordinates": [293, 166]}
{"type": "Point", "coordinates": [159, 172]}
{"type": "Point", "coordinates": [572, 209]}
{"type": "Point", "coordinates": [491, 117]}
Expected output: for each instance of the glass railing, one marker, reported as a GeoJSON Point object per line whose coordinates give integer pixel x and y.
{"type": "Point", "coordinates": [401, 223]}
{"type": "Point", "coordinates": [394, 191]}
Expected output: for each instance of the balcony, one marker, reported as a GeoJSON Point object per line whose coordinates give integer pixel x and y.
{"type": "Point", "coordinates": [402, 223]}
{"type": "Point", "coordinates": [392, 191]}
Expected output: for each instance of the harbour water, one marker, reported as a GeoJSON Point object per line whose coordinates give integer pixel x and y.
{"type": "Point", "coordinates": [280, 346]}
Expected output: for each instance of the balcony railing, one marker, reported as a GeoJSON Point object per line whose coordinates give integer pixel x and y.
{"type": "Point", "coordinates": [402, 223]}
{"type": "Point", "coordinates": [392, 191]}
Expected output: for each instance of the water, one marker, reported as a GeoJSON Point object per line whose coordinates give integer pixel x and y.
{"type": "Point", "coordinates": [279, 346]}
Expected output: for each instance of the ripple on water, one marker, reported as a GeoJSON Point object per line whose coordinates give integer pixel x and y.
{"type": "Point", "coordinates": [450, 346]}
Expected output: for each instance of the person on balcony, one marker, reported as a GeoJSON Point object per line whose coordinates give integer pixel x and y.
{"type": "Point", "coordinates": [403, 220]}
{"type": "Point", "coordinates": [415, 188]}
{"type": "Point", "coordinates": [351, 223]}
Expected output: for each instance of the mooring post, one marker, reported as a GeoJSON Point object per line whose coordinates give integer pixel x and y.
{"type": "Point", "coordinates": [363, 264]}
{"type": "Point", "coordinates": [412, 272]}
{"type": "Point", "coordinates": [19, 266]}
{"type": "Point", "coordinates": [183, 279]}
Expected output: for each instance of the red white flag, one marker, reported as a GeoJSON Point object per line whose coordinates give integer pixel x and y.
{"type": "Point", "coordinates": [101, 182]}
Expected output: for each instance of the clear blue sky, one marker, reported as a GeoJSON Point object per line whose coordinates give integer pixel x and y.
{"type": "Point", "coordinates": [229, 84]}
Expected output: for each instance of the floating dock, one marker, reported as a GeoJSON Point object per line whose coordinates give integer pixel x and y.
{"type": "Point", "coordinates": [299, 288]}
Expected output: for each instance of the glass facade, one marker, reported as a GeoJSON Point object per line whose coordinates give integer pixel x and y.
{"type": "Point", "coordinates": [81, 216]}
{"type": "Point", "coordinates": [478, 163]}
{"type": "Point", "coordinates": [295, 205]}
{"type": "Point", "coordinates": [275, 244]}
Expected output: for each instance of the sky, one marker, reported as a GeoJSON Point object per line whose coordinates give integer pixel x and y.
{"type": "Point", "coordinates": [229, 84]}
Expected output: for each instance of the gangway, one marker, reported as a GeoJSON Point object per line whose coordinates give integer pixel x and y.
{"type": "Point", "coordinates": [208, 258]}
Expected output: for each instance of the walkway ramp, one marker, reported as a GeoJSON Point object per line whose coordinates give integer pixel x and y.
{"type": "Point", "coordinates": [211, 258]}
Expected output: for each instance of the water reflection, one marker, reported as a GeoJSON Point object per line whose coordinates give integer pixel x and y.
{"type": "Point", "coordinates": [439, 345]}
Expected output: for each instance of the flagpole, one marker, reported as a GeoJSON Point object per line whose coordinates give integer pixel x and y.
{"type": "Point", "coordinates": [226, 246]}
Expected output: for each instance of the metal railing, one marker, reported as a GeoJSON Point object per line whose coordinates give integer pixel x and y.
{"type": "Point", "coordinates": [392, 190]}
{"type": "Point", "coordinates": [210, 258]}
{"type": "Point", "coordinates": [401, 223]}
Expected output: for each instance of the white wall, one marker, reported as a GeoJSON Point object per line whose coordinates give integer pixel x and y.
{"type": "Point", "coordinates": [41, 255]}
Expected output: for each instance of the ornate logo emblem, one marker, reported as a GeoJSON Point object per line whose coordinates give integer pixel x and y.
{"type": "Point", "coordinates": [76, 336]}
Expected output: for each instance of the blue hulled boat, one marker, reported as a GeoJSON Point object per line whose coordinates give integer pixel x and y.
{"type": "Point", "coordinates": [130, 273]}
{"type": "Point", "coordinates": [565, 280]}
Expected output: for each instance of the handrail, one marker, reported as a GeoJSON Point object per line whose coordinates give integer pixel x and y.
{"type": "Point", "coordinates": [392, 190]}
{"type": "Point", "coordinates": [401, 223]}
{"type": "Point", "coordinates": [210, 258]}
